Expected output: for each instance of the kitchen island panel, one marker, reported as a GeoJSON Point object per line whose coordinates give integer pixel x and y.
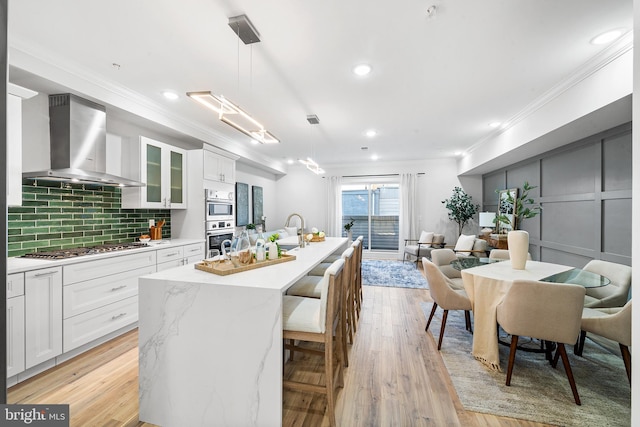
{"type": "Point", "coordinates": [211, 346]}
{"type": "Point", "coordinates": [210, 355]}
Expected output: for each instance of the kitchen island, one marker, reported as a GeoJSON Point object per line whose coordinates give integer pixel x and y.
{"type": "Point", "coordinates": [211, 346]}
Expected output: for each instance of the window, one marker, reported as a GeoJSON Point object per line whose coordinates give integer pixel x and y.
{"type": "Point", "coordinates": [375, 208]}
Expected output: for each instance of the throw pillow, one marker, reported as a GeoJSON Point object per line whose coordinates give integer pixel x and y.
{"type": "Point", "coordinates": [426, 237]}
{"type": "Point", "coordinates": [465, 243]}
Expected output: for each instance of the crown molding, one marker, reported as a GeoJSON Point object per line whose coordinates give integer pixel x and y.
{"type": "Point", "coordinates": [599, 61]}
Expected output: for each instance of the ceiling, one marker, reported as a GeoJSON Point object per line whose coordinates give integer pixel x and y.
{"type": "Point", "coordinates": [437, 81]}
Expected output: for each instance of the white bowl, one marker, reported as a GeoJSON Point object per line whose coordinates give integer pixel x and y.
{"type": "Point", "coordinates": [145, 240]}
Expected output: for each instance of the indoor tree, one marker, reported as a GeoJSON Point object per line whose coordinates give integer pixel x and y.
{"type": "Point", "coordinates": [461, 209]}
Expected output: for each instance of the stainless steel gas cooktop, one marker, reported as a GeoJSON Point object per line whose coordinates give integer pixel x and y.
{"type": "Point", "coordinates": [89, 250]}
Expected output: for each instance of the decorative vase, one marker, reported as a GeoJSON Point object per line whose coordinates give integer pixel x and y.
{"type": "Point", "coordinates": [350, 235]}
{"type": "Point", "coordinates": [518, 248]}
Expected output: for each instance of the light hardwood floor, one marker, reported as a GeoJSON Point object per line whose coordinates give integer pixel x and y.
{"type": "Point", "coordinates": [396, 377]}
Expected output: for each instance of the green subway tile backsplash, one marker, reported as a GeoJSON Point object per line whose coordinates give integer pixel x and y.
{"type": "Point", "coordinates": [53, 218]}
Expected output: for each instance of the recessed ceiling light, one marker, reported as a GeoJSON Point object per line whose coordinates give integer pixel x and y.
{"type": "Point", "coordinates": [494, 124]}
{"type": "Point", "coordinates": [459, 153]}
{"type": "Point", "coordinates": [290, 161]}
{"type": "Point", "coordinates": [362, 69]}
{"type": "Point", "coordinates": [170, 95]}
{"type": "Point", "coordinates": [371, 133]}
{"type": "Point", "coordinates": [607, 37]}
{"type": "Point", "coordinates": [374, 157]}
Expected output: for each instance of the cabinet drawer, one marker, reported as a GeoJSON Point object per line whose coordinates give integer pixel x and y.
{"type": "Point", "coordinates": [169, 254]}
{"type": "Point", "coordinates": [86, 327]}
{"type": "Point", "coordinates": [15, 285]}
{"type": "Point", "coordinates": [171, 264]}
{"type": "Point", "coordinates": [88, 295]}
{"type": "Point", "coordinates": [194, 250]}
{"type": "Point", "coordinates": [107, 266]}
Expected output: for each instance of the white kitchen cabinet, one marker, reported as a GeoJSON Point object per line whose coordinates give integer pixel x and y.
{"type": "Point", "coordinates": [94, 324]}
{"type": "Point", "coordinates": [193, 253]}
{"type": "Point", "coordinates": [178, 256]}
{"type": "Point", "coordinates": [100, 296]}
{"type": "Point", "coordinates": [15, 95]}
{"type": "Point", "coordinates": [163, 169]}
{"type": "Point", "coordinates": [219, 168]}
{"type": "Point", "coordinates": [43, 315]}
{"type": "Point", "coordinates": [15, 324]}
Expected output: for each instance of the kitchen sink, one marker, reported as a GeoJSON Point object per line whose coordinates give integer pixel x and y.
{"type": "Point", "coordinates": [288, 247]}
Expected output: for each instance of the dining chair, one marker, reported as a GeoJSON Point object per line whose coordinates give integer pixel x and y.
{"type": "Point", "coordinates": [443, 259]}
{"type": "Point", "coordinates": [318, 320]}
{"type": "Point", "coordinates": [445, 297]}
{"type": "Point", "coordinates": [613, 323]}
{"type": "Point", "coordinates": [502, 254]}
{"type": "Point", "coordinates": [614, 294]}
{"type": "Point", "coordinates": [546, 311]}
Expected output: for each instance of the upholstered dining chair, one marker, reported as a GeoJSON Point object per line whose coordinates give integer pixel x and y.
{"type": "Point", "coordinates": [443, 259]}
{"type": "Point", "coordinates": [616, 293]}
{"type": "Point", "coordinates": [613, 323]}
{"type": "Point", "coordinates": [423, 246]}
{"type": "Point", "coordinates": [502, 254]}
{"type": "Point", "coordinates": [546, 311]}
{"type": "Point", "coordinates": [316, 320]}
{"type": "Point", "coordinates": [445, 297]}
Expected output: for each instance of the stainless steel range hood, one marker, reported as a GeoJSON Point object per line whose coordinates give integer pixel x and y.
{"type": "Point", "coordinates": [78, 144]}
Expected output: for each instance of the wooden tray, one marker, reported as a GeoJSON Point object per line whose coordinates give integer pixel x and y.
{"type": "Point", "coordinates": [226, 268]}
{"type": "Point", "coordinates": [316, 238]}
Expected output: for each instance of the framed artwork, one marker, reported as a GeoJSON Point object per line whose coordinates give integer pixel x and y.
{"type": "Point", "coordinates": [256, 196]}
{"type": "Point", "coordinates": [242, 204]}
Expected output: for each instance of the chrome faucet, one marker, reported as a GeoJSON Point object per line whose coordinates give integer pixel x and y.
{"type": "Point", "coordinates": [301, 240]}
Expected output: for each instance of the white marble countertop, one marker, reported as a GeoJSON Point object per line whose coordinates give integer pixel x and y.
{"type": "Point", "coordinates": [277, 276]}
{"type": "Point", "coordinates": [19, 265]}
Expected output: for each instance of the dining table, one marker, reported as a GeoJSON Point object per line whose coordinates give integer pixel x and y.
{"type": "Point", "coordinates": [486, 285]}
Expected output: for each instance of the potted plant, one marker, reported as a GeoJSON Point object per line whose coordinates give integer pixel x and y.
{"type": "Point", "coordinates": [524, 206]}
{"type": "Point", "coordinates": [347, 228]}
{"type": "Point", "coordinates": [250, 226]}
{"type": "Point", "coordinates": [460, 207]}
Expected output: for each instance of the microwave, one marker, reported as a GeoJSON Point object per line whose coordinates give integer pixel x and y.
{"type": "Point", "coordinates": [219, 205]}
{"type": "Point", "coordinates": [218, 211]}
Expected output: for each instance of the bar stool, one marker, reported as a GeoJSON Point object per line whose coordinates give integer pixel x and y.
{"type": "Point", "coordinates": [311, 287]}
{"type": "Point", "coordinates": [316, 320]}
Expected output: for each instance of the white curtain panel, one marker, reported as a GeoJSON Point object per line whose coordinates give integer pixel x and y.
{"type": "Point", "coordinates": [408, 228]}
{"type": "Point", "coordinates": [334, 206]}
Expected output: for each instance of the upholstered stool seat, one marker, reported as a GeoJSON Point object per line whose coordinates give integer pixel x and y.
{"type": "Point", "coordinates": [308, 286]}
{"type": "Point", "coordinates": [302, 314]}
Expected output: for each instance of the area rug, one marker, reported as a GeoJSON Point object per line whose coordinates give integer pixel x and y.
{"type": "Point", "coordinates": [538, 392]}
{"type": "Point", "coordinates": [392, 274]}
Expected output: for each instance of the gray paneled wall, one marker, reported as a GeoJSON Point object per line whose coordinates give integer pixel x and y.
{"type": "Point", "coordinates": [584, 189]}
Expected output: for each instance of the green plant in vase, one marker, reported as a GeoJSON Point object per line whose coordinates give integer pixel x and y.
{"type": "Point", "coordinates": [524, 207]}
{"type": "Point", "coordinates": [461, 208]}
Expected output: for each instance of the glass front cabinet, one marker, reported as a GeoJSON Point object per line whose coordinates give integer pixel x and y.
{"type": "Point", "coordinates": [163, 169]}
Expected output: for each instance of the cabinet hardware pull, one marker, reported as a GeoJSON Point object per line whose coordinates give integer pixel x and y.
{"type": "Point", "coordinates": [194, 250]}
{"type": "Point", "coordinates": [48, 273]}
{"type": "Point", "coordinates": [118, 316]}
{"type": "Point", "coordinates": [118, 288]}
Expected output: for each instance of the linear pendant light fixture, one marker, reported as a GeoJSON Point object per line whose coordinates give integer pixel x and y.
{"type": "Point", "coordinates": [309, 163]}
{"type": "Point", "coordinates": [234, 116]}
{"type": "Point", "coordinates": [227, 111]}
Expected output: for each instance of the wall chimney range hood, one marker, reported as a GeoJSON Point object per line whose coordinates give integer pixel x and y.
{"type": "Point", "coordinates": [78, 144]}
